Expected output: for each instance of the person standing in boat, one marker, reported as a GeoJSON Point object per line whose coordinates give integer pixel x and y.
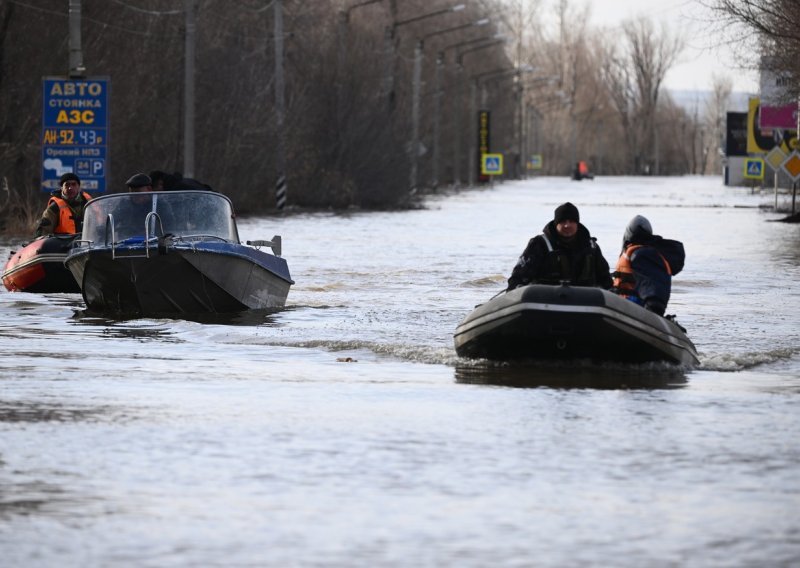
{"type": "Point", "coordinates": [564, 252]}
{"type": "Point", "coordinates": [64, 212]}
{"type": "Point", "coordinates": [646, 266]}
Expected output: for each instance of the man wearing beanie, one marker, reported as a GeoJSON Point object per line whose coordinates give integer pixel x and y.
{"type": "Point", "coordinates": [64, 212]}
{"type": "Point", "coordinates": [564, 252]}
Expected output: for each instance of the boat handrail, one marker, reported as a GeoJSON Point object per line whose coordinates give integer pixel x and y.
{"type": "Point", "coordinates": [110, 221]}
{"type": "Point", "coordinates": [149, 216]}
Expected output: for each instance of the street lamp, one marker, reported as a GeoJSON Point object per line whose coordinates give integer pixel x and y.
{"type": "Point", "coordinates": [344, 20]}
{"type": "Point", "coordinates": [456, 107]}
{"type": "Point", "coordinates": [473, 110]}
{"type": "Point", "coordinates": [415, 90]}
{"type": "Point", "coordinates": [391, 31]}
{"type": "Point", "coordinates": [459, 69]}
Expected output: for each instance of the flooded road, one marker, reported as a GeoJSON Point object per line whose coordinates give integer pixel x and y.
{"type": "Point", "coordinates": [344, 430]}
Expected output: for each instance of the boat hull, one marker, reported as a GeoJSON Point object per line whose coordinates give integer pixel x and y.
{"type": "Point", "coordinates": [191, 278]}
{"type": "Point", "coordinates": [38, 267]}
{"type": "Point", "coordinates": [563, 322]}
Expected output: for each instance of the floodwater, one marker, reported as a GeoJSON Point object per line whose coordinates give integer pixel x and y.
{"type": "Point", "coordinates": [344, 430]}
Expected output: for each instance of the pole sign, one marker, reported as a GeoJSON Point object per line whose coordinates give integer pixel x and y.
{"type": "Point", "coordinates": [792, 165]}
{"type": "Point", "coordinates": [754, 168]}
{"type": "Point", "coordinates": [484, 123]}
{"type": "Point", "coordinates": [492, 164]}
{"type": "Point", "coordinates": [75, 131]}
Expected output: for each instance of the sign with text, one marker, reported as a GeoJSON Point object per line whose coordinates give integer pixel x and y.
{"type": "Point", "coordinates": [75, 119]}
{"type": "Point", "coordinates": [484, 121]}
{"type": "Point", "coordinates": [761, 141]}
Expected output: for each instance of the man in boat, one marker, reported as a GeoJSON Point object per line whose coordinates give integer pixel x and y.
{"type": "Point", "coordinates": [564, 252]}
{"type": "Point", "coordinates": [646, 266]}
{"type": "Point", "coordinates": [64, 212]}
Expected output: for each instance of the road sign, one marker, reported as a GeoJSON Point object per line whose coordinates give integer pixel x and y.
{"type": "Point", "coordinates": [492, 164]}
{"type": "Point", "coordinates": [535, 162]}
{"type": "Point", "coordinates": [792, 165]}
{"type": "Point", "coordinates": [775, 157]}
{"type": "Point", "coordinates": [75, 131]}
{"type": "Point", "coordinates": [754, 168]}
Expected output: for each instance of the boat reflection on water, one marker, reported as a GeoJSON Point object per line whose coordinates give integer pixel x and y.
{"type": "Point", "coordinates": [574, 375]}
{"type": "Point", "coordinates": [250, 318]}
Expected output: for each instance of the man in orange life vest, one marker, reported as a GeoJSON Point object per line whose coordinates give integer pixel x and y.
{"type": "Point", "coordinates": [564, 252]}
{"type": "Point", "coordinates": [64, 212]}
{"type": "Point", "coordinates": [646, 266]}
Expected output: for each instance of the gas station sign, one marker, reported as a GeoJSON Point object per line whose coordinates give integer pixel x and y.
{"type": "Point", "coordinates": [75, 117]}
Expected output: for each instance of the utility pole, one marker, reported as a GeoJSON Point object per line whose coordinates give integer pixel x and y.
{"type": "Point", "coordinates": [414, 146]}
{"type": "Point", "coordinates": [280, 110]}
{"type": "Point", "coordinates": [437, 101]}
{"type": "Point", "coordinates": [188, 91]}
{"type": "Point", "coordinates": [76, 68]}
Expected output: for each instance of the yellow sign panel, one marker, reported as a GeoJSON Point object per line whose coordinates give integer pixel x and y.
{"type": "Point", "coordinates": [492, 164]}
{"type": "Point", "coordinates": [762, 141]}
{"type": "Point", "coordinates": [776, 157]}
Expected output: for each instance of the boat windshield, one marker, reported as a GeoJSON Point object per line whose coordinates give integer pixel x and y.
{"type": "Point", "coordinates": [187, 214]}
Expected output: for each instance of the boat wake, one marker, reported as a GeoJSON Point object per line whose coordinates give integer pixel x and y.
{"type": "Point", "coordinates": [732, 362]}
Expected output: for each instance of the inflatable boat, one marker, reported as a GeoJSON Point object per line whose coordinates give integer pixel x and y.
{"type": "Point", "coordinates": [565, 322]}
{"type": "Point", "coordinates": [39, 266]}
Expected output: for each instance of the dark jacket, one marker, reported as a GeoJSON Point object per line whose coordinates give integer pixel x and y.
{"type": "Point", "coordinates": [653, 283]}
{"type": "Point", "coordinates": [579, 261]}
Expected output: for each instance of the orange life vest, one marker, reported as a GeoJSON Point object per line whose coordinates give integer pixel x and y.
{"type": "Point", "coordinates": [624, 282]}
{"type": "Point", "coordinates": [67, 224]}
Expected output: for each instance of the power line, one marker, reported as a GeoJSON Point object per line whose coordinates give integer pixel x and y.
{"type": "Point", "coordinates": [148, 12]}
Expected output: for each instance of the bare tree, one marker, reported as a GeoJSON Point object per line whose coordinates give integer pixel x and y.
{"type": "Point", "coordinates": [633, 74]}
{"type": "Point", "coordinates": [715, 120]}
{"type": "Point", "coordinates": [776, 27]}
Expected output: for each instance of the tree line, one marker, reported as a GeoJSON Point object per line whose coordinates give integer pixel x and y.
{"type": "Point", "coordinates": [374, 90]}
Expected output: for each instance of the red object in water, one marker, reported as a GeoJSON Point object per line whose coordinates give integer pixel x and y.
{"type": "Point", "coordinates": [39, 266]}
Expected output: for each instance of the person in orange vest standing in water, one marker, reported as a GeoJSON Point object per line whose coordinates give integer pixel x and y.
{"type": "Point", "coordinates": [64, 212]}
{"type": "Point", "coordinates": [646, 266]}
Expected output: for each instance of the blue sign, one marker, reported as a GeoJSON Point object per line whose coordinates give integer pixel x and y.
{"type": "Point", "coordinates": [75, 117]}
{"type": "Point", "coordinates": [754, 168]}
{"type": "Point", "coordinates": [492, 164]}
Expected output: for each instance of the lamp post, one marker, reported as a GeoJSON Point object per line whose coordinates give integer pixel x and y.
{"type": "Point", "coordinates": [344, 20]}
{"type": "Point", "coordinates": [280, 104]}
{"type": "Point", "coordinates": [391, 32]}
{"type": "Point", "coordinates": [415, 90]}
{"type": "Point", "coordinates": [188, 94]}
{"type": "Point", "coordinates": [456, 107]}
{"type": "Point", "coordinates": [473, 110]}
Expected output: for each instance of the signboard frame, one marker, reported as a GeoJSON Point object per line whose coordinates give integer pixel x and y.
{"type": "Point", "coordinates": [75, 131]}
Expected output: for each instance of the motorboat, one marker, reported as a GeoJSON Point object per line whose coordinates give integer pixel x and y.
{"type": "Point", "coordinates": [39, 266]}
{"type": "Point", "coordinates": [541, 321]}
{"type": "Point", "coordinates": [173, 252]}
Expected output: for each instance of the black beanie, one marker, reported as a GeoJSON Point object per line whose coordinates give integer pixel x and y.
{"type": "Point", "coordinates": [566, 211]}
{"type": "Point", "coordinates": [69, 176]}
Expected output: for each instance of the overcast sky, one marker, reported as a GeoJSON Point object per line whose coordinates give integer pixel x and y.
{"type": "Point", "coordinates": [705, 53]}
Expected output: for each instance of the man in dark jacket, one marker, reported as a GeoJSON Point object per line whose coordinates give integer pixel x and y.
{"type": "Point", "coordinates": [646, 266]}
{"type": "Point", "coordinates": [564, 252]}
